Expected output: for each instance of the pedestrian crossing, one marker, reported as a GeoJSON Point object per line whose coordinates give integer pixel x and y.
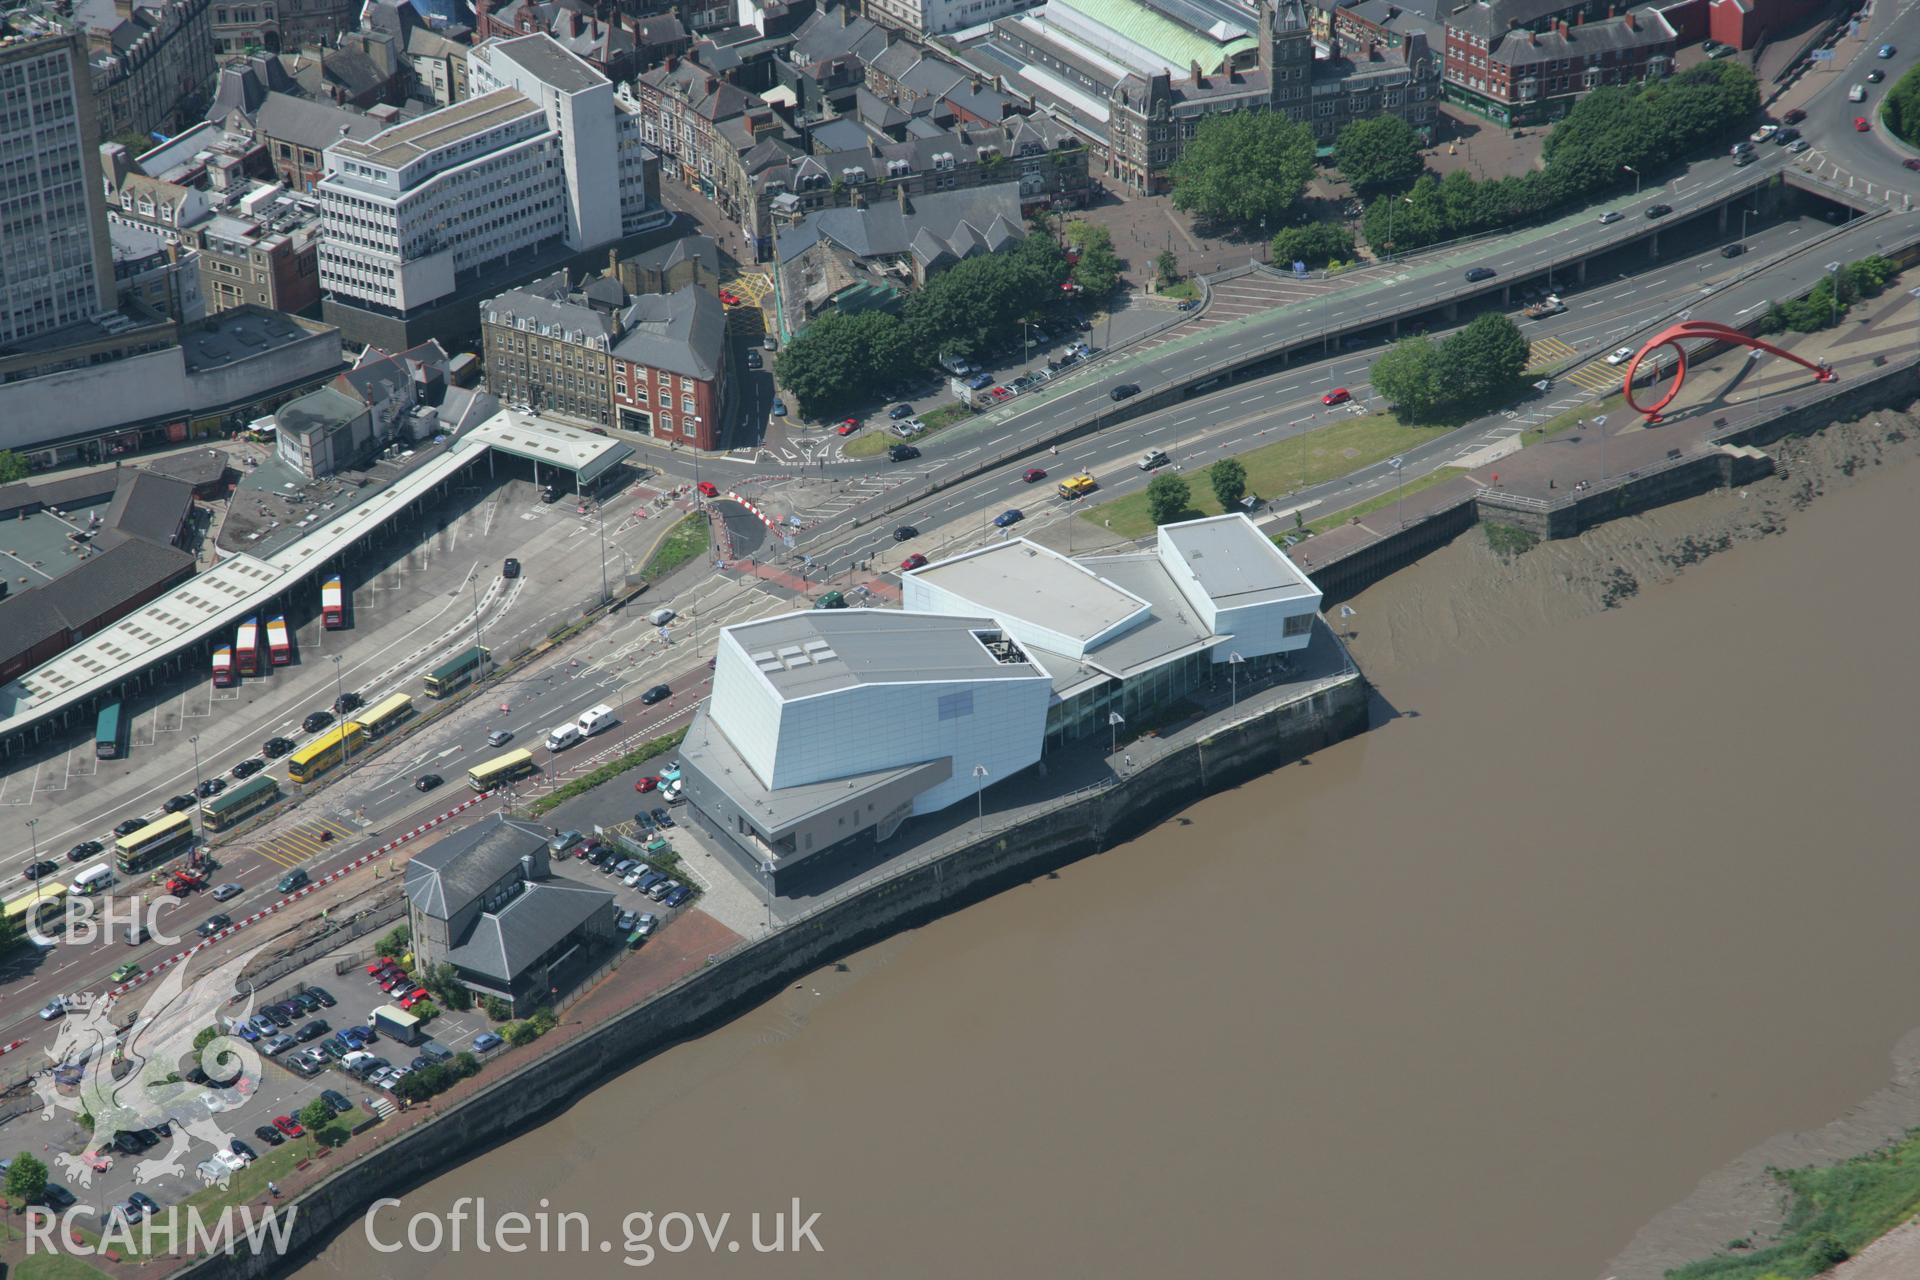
{"type": "Point", "coordinates": [1595, 377]}
{"type": "Point", "coordinates": [303, 840]}
{"type": "Point", "coordinates": [1546, 352]}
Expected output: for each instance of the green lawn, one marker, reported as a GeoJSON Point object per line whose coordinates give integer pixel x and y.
{"type": "Point", "coordinates": [1560, 422]}
{"type": "Point", "coordinates": [686, 541]}
{"type": "Point", "coordinates": [1280, 468]}
{"type": "Point", "coordinates": [1836, 1212]}
{"type": "Point", "coordinates": [54, 1266]}
{"type": "Point", "coordinates": [874, 441]}
{"type": "Point", "coordinates": [1334, 519]}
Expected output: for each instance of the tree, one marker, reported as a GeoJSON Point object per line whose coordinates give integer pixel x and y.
{"type": "Point", "coordinates": [840, 358]}
{"type": "Point", "coordinates": [1167, 267]}
{"type": "Point", "coordinates": [497, 1009]}
{"type": "Point", "coordinates": [1167, 498]}
{"type": "Point", "coordinates": [395, 941]}
{"type": "Point", "coordinates": [26, 1179]}
{"type": "Point", "coordinates": [1381, 151]}
{"type": "Point", "coordinates": [1098, 269]}
{"type": "Point", "coordinates": [12, 467]}
{"type": "Point", "coordinates": [1316, 244]}
{"type": "Point", "coordinates": [1407, 374]}
{"type": "Point", "coordinates": [445, 983]}
{"type": "Point", "coordinates": [315, 1116]}
{"type": "Point", "coordinates": [1484, 358]}
{"type": "Point", "coordinates": [1229, 481]}
{"type": "Point", "coordinates": [1243, 167]}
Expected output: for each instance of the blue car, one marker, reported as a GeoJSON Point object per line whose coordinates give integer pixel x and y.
{"type": "Point", "coordinates": [651, 879]}
{"type": "Point", "coordinates": [1886, 51]}
{"type": "Point", "coordinates": [246, 1032]}
{"type": "Point", "coordinates": [779, 408]}
{"type": "Point", "coordinates": [979, 380]}
{"type": "Point", "coordinates": [1008, 518]}
{"type": "Point", "coordinates": [678, 896]}
{"type": "Point", "coordinates": [486, 1042]}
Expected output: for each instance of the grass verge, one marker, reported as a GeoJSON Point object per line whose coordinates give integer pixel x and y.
{"type": "Point", "coordinates": [1836, 1212]}
{"type": "Point", "coordinates": [1334, 519]}
{"type": "Point", "coordinates": [876, 440]}
{"type": "Point", "coordinates": [684, 542]}
{"type": "Point", "coordinates": [1571, 418]}
{"type": "Point", "coordinates": [1278, 468]}
{"type": "Point", "coordinates": [54, 1266]}
{"type": "Point", "coordinates": [606, 772]}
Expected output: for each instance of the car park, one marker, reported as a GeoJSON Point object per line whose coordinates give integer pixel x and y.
{"type": "Point", "coordinates": [650, 880]}
{"type": "Point", "coordinates": [1477, 274]}
{"type": "Point", "coordinates": [633, 878]}
{"type": "Point", "coordinates": [914, 561]}
{"type": "Point", "coordinates": [274, 748]}
{"type": "Point", "coordinates": [247, 768]}
{"type": "Point", "coordinates": [625, 921]}
{"type": "Point", "coordinates": [1032, 474]}
{"type": "Point", "coordinates": [904, 532]}
{"type": "Point", "coordinates": [1008, 518]}
{"type": "Point", "coordinates": [564, 843]}
{"type": "Point", "coordinates": [659, 693]}
{"type": "Point", "coordinates": [979, 382]}
{"type": "Point", "coordinates": [1339, 395]}
{"type": "Point", "coordinates": [662, 889]}
{"type": "Point", "coordinates": [1659, 210]}
{"type": "Point", "coordinates": [1620, 355]}
{"type": "Point", "coordinates": [646, 924]}
{"type": "Point", "coordinates": [316, 721]}
{"type": "Point", "coordinates": [240, 1148]}
{"type": "Point", "coordinates": [1123, 391]}
{"type": "Point", "coordinates": [336, 1102]}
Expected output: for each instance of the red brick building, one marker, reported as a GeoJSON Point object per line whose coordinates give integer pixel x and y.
{"type": "Point", "coordinates": [669, 369]}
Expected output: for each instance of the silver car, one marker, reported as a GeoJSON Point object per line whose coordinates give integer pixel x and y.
{"type": "Point", "coordinates": [221, 892]}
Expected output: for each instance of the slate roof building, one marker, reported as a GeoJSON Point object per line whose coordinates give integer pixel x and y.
{"type": "Point", "coordinates": [486, 902]}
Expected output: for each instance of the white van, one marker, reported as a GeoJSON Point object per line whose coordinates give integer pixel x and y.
{"type": "Point", "coordinates": [593, 720]}
{"type": "Point", "coordinates": [1857, 94]}
{"type": "Point", "coordinates": [560, 737]}
{"type": "Point", "coordinates": [660, 617]}
{"type": "Point", "coordinates": [93, 879]}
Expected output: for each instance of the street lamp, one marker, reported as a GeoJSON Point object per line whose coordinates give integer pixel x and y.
{"type": "Point", "coordinates": [1234, 661]}
{"type": "Point", "coordinates": [979, 798]}
{"type": "Point", "coordinates": [33, 834]}
{"type": "Point", "coordinates": [1833, 272]}
{"type": "Point", "coordinates": [339, 709]}
{"type": "Point", "coordinates": [1636, 179]}
{"type": "Point", "coordinates": [1114, 721]}
{"type": "Point", "coordinates": [1399, 489]}
{"type": "Point", "coordinates": [766, 870]}
{"type": "Point", "coordinates": [194, 741]}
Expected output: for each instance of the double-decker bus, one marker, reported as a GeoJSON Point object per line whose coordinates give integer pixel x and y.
{"type": "Point", "coordinates": [40, 911]}
{"type": "Point", "coordinates": [279, 642]}
{"type": "Point", "coordinates": [245, 800]}
{"type": "Point", "coordinates": [333, 604]}
{"type": "Point", "coordinates": [457, 673]}
{"type": "Point", "coordinates": [501, 770]}
{"type": "Point", "coordinates": [153, 843]}
{"type": "Point", "coordinates": [246, 649]}
{"type": "Point", "coordinates": [385, 714]}
{"type": "Point", "coordinates": [107, 729]}
{"type": "Point", "coordinates": [223, 673]}
{"type": "Point", "coordinates": [325, 751]}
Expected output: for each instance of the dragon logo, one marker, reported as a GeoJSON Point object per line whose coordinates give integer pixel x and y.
{"type": "Point", "coordinates": [128, 1077]}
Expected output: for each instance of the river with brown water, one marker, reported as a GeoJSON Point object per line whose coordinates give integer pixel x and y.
{"type": "Point", "coordinates": [1606, 897]}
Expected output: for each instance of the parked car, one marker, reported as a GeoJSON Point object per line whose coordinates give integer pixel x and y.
{"type": "Point", "coordinates": [676, 895]}
{"type": "Point", "coordinates": [659, 693]}
{"type": "Point", "coordinates": [240, 1148]}
{"type": "Point", "coordinates": [486, 1042]}
{"type": "Point", "coordinates": [662, 889]}
{"type": "Point", "coordinates": [336, 1102]}
{"type": "Point", "coordinates": [312, 1030]}
{"type": "Point", "coordinates": [645, 783]}
{"type": "Point", "coordinates": [269, 1135]}
{"type": "Point", "coordinates": [625, 921]}
{"type": "Point", "coordinates": [1008, 518]}
{"type": "Point", "coordinates": [979, 382]}
{"type": "Point", "coordinates": [247, 768]}
{"type": "Point", "coordinates": [316, 721]}
{"type": "Point", "coordinates": [900, 411]}
{"type": "Point", "coordinates": [662, 817]}
{"type": "Point", "coordinates": [1123, 391]}
{"type": "Point", "coordinates": [276, 1044]}
{"type": "Point", "coordinates": [779, 408]}
{"type": "Point", "coordinates": [646, 924]}
{"type": "Point", "coordinates": [289, 1126]}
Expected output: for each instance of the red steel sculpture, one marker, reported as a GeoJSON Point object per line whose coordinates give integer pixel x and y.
{"type": "Point", "coordinates": [1673, 335]}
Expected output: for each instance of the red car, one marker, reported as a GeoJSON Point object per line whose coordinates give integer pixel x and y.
{"type": "Point", "coordinates": [913, 561]}
{"type": "Point", "coordinates": [413, 997]}
{"type": "Point", "coordinates": [1033, 473]}
{"type": "Point", "coordinates": [848, 427]}
{"type": "Point", "coordinates": [707, 489]}
{"type": "Point", "coordinates": [1860, 124]}
{"type": "Point", "coordinates": [1339, 395]}
{"type": "Point", "coordinates": [729, 298]}
{"type": "Point", "coordinates": [645, 784]}
{"type": "Point", "coordinates": [1001, 393]}
{"type": "Point", "coordinates": [384, 962]}
{"type": "Point", "coordinates": [289, 1126]}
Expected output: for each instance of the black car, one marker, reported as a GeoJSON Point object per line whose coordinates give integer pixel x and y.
{"type": "Point", "coordinates": [312, 1030]}
{"type": "Point", "coordinates": [247, 768]}
{"type": "Point", "coordinates": [214, 924]}
{"type": "Point", "coordinates": [211, 787]}
{"type": "Point", "coordinates": [661, 816]}
{"type": "Point", "coordinates": [240, 1148]}
{"type": "Point", "coordinates": [427, 781]}
{"type": "Point", "coordinates": [306, 1000]}
{"type": "Point", "coordinates": [1659, 210]}
{"type": "Point", "coordinates": [753, 358]}
{"type": "Point", "coordinates": [131, 1142]}
{"type": "Point", "coordinates": [146, 1202]}
{"type": "Point", "coordinates": [1122, 391]}
{"type": "Point", "coordinates": [41, 868]}
{"type": "Point", "coordinates": [1782, 137]}
{"type": "Point", "coordinates": [84, 850]}
{"type": "Point", "coordinates": [274, 748]}
{"type": "Point", "coordinates": [179, 804]}
{"type": "Point", "coordinates": [128, 827]}
{"type": "Point", "coordinates": [1732, 250]}
{"type": "Point", "coordinates": [1476, 274]}
{"type": "Point", "coordinates": [902, 453]}
{"type": "Point", "coordinates": [1876, 76]}
{"type": "Point", "coordinates": [510, 568]}
{"type": "Point", "coordinates": [904, 532]}
{"type": "Point", "coordinates": [900, 411]}
{"type": "Point", "coordinates": [659, 693]}
{"type": "Point", "coordinates": [280, 1017]}
{"type": "Point", "coordinates": [337, 1101]}
{"type": "Point", "coordinates": [321, 994]}
{"type": "Point", "coordinates": [269, 1135]}
{"type": "Point", "coordinates": [348, 702]}
{"type": "Point", "coordinates": [316, 721]}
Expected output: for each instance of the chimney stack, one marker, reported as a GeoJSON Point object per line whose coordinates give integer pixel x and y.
{"type": "Point", "coordinates": [1633, 23]}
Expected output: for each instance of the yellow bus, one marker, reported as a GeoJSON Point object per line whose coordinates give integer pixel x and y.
{"type": "Point", "coordinates": [153, 843]}
{"type": "Point", "coordinates": [40, 911]}
{"type": "Point", "coordinates": [325, 751]}
{"type": "Point", "coordinates": [385, 714]}
{"type": "Point", "coordinates": [500, 770]}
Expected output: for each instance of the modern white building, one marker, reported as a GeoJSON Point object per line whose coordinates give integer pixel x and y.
{"type": "Point", "coordinates": [833, 726]}
{"type": "Point", "coordinates": [540, 152]}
